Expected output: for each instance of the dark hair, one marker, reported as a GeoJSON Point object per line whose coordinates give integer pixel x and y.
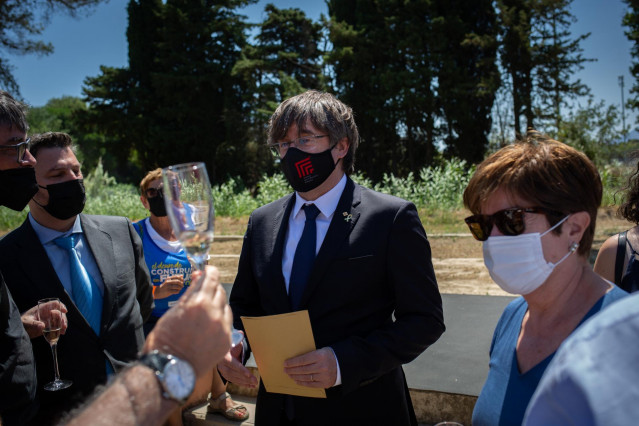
{"type": "Point", "coordinates": [12, 112]}
{"type": "Point", "coordinates": [325, 112]}
{"type": "Point", "coordinates": [545, 172]}
{"type": "Point", "coordinates": [50, 140]}
{"type": "Point", "coordinates": [629, 209]}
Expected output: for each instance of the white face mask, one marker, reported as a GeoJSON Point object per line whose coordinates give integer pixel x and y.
{"type": "Point", "coordinates": [517, 263]}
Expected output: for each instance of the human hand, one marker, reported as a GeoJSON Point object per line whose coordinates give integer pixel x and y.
{"type": "Point", "coordinates": [34, 327]}
{"type": "Point", "coordinates": [198, 328]}
{"type": "Point", "coordinates": [172, 285]}
{"type": "Point", "coordinates": [232, 369]}
{"type": "Point", "coordinates": [316, 369]}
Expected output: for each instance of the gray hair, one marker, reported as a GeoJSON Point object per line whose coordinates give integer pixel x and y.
{"type": "Point", "coordinates": [325, 112]}
{"type": "Point", "coordinates": [12, 112]}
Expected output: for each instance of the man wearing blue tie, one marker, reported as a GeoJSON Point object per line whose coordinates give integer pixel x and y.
{"type": "Point", "coordinates": [357, 260]}
{"type": "Point", "coordinates": [93, 264]}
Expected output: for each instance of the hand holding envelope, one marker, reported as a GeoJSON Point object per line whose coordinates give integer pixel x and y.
{"type": "Point", "coordinates": [272, 346]}
{"type": "Point", "coordinates": [317, 369]}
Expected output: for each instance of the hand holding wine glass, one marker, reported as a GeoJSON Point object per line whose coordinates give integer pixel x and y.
{"type": "Point", "coordinates": [189, 206]}
{"type": "Point", "coordinates": [51, 314]}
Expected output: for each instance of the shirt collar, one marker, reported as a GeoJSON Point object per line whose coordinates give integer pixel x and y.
{"type": "Point", "coordinates": [47, 235]}
{"type": "Point", "coordinates": [326, 203]}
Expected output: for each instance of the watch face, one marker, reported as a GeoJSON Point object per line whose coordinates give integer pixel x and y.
{"type": "Point", "coordinates": [179, 379]}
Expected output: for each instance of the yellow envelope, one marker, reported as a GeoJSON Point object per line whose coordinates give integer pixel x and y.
{"type": "Point", "coordinates": [276, 338]}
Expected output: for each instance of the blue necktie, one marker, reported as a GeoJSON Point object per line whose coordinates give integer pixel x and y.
{"type": "Point", "coordinates": [86, 294]}
{"type": "Point", "coordinates": [304, 257]}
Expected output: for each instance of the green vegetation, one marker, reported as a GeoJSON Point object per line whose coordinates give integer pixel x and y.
{"type": "Point", "coordinates": [436, 191]}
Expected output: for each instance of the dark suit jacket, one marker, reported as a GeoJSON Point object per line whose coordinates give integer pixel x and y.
{"type": "Point", "coordinates": [127, 301]}
{"type": "Point", "coordinates": [17, 367]}
{"type": "Point", "coordinates": [372, 266]}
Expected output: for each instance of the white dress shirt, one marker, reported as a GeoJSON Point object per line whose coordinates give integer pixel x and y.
{"type": "Point", "coordinates": [326, 204]}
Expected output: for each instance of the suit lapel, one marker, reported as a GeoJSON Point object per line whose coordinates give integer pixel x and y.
{"type": "Point", "coordinates": [338, 231]}
{"type": "Point", "coordinates": [101, 246]}
{"type": "Point", "coordinates": [274, 257]}
{"type": "Point", "coordinates": [43, 278]}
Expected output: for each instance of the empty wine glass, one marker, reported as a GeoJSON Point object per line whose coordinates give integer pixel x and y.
{"type": "Point", "coordinates": [189, 206]}
{"type": "Point", "coordinates": [50, 313]}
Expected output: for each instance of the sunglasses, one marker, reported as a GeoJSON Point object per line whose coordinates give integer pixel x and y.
{"type": "Point", "coordinates": [20, 149]}
{"type": "Point", "coordinates": [509, 221]}
{"type": "Point", "coordinates": [153, 192]}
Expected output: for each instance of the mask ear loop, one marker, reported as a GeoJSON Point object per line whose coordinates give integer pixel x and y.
{"type": "Point", "coordinates": [571, 250]}
{"type": "Point", "coordinates": [556, 225]}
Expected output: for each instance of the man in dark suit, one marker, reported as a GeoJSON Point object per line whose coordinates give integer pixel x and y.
{"type": "Point", "coordinates": [17, 185]}
{"type": "Point", "coordinates": [368, 281]}
{"type": "Point", "coordinates": [37, 265]}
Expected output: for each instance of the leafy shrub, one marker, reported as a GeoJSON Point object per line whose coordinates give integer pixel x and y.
{"type": "Point", "coordinates": [232, 199]}
{"type": "Point", "coordinates": [271, 188]}
{"type": "Point", "coordinates": [107, 197]}
{"type": "Point", "coordinates": [436, 191]}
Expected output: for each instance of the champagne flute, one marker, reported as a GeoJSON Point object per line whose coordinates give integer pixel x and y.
{"type": "Point", "coordinates": [189, 206]}
{"type": "Point", "coordinates": [50, 313]}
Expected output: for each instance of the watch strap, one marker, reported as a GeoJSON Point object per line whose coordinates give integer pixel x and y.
{"type": "Point", "coordinates": [155, 360]}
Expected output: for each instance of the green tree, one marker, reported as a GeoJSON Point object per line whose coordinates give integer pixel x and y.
{"type": "Point", "coordinates": [61, 115]}
{"type": "Point", "coordinates": [558, 56]}
{"type": "Point", "coordinates": [111, 116]}
{"type": "Point", "coordinates": [416, 73]}
{"type": "Point", "coordinates": [21, 22]}
{"type": "Point", "coordinates": [383, 68]}
{"type": "Point", "coordinates": [516, 57]}
{"type": "Point", "coordinates": [631, 22]}
{"type": "Point", "coordinates": [284, 60]}
{"type": "Point", "coordinates": [177, 101]}
{"type": "Point", "coordinates": [540, 56]}
{"type": "Point", "coordinates": [467, 74]}
{"type": "Point", "coordinates": [592, 129]}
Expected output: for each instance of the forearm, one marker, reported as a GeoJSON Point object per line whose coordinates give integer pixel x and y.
{"type": "Point", "coordinates": [134, 398]}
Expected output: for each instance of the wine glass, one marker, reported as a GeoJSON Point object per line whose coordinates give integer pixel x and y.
{"type": "Point", "coordinates": [50, 313]}
{"type": "Point", "coordinates": [189, 206]}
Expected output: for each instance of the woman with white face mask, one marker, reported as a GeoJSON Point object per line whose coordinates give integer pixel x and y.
{"type": "Point", "coordinates": [535, 205]}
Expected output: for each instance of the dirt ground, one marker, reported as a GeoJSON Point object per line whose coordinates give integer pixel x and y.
{"type": "Point", "coordinates": [457, 257]}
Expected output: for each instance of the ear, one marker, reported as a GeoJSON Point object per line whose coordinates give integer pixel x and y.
{"type": "Point", "coordinates": [341, 148]}
{"type": "Point", "coordinates": [576, 225]}
{"type": "Point", "coordinates": [145, 202]}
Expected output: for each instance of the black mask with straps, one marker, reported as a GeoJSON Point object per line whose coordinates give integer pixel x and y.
{"type": "Point", "coordinates": [305, 171]}
{"type": "Point", "coordinates": [156, 204]}
{"type": "Point", "coordinates": [66, 199]}
{"type": "Point", "coordinates": [17, 187]}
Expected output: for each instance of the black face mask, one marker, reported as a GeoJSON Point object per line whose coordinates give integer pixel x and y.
{"type": "Point", "coordinates": [17, 187]}
{"type": "Point", "coordinates": [66, 199]}
{"type": "Point", "coordinates": [156, 204]}
{"type": "Point", "coordinates": [305, 171]}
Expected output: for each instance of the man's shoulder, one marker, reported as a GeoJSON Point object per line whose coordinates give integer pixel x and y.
{"type": "Point", "coordinates": [13, 236]}
{"type": "Point", "coordinates": [273, 206]}
{"type": "Point", "coordinates": [621, 314]}
{"type": "Point", "coordinates": [380, 198]}
{"type": "Point", "coordinates": [102, 220]}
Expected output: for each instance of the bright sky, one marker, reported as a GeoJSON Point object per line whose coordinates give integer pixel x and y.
{"type": "Point", "coordinates": [82, 45]}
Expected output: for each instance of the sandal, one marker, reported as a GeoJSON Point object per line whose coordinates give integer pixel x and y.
{"type": "Point", "coordinates": [236, 413]}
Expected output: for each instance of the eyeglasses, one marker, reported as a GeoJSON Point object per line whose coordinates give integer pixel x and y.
{"type": "Point", "coordinates": [154, 192]}
{"type": "Point", "coordinates": [306, 142]}
{"type": "Point", "coordinates": [20, 149]}
{"type": "Point", "coordinates": [509, 221]}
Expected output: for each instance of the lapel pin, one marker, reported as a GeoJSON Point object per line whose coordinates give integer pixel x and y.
{"type": "Point", "coordinates": [347, 216]}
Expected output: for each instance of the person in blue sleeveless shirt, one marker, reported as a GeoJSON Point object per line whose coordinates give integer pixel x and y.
{"type": "Point", "coordinates": [534, 206]}
{"type": "Point", "coordinates": [170, 271]}
{"type": "Point", "coordinates": [618, 257]}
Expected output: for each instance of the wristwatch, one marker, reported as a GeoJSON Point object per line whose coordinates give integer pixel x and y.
{"type": "Point", "coordinates": [175, 375]}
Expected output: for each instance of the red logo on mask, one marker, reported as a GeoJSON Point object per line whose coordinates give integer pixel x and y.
{"type": "Point", "coordinates": [304, 167]}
